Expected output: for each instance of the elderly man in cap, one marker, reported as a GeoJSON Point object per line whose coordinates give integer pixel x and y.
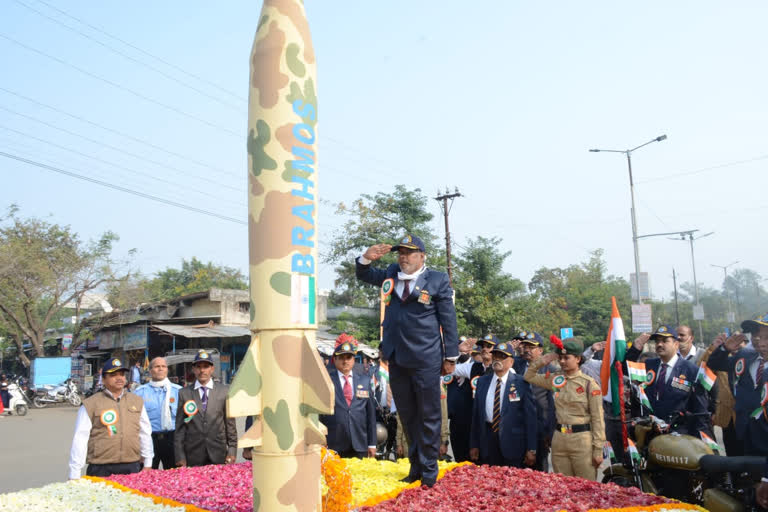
{"type": "Point", "coordinates": [419, 334]}
{"type": "Point", "coordinates": [673, 389]}
{"type": "Point", "coordinates": [748, 375]}
{"type": "Point", "coordinates": [161, 399]}
{"type": "Point", "coordinates": [112, 432]}
{"type": "Point", "coordinates": [204, 434]}
{"type": "Point", "coordinates": [531, 349]}
{"type": "Point", "coordinates": [503, 416]}
{"type": "Point", "coordinates": [352, 426]}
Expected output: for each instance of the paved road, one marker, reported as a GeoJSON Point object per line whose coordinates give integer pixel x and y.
{"type": "Point", "coordinates": [34, 449]}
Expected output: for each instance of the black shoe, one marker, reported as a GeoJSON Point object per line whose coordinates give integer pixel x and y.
{"type": "Point", "coordinates": [428, 482]}
{"type": "Point", "coordinates": [410, 479]}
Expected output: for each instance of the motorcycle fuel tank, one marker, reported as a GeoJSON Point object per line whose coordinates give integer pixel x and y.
{"type": "Point", "coordinates": [677, 451]}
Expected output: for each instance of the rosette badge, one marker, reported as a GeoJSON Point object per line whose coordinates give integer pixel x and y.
{"type": "Point", "coordinates": [109, 419]}
{"type": "Point", "coordinates": [190, 409]}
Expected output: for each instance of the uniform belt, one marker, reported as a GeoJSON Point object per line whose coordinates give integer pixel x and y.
{"type": "Point", "coordinates": [572, 429]}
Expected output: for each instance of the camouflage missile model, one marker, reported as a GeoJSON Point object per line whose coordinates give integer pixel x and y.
{"type": "Point", "coordinates": [282, 380]}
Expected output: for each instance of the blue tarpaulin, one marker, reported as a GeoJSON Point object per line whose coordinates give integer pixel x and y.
{"type": "Point", "coordinates": [50, 370]}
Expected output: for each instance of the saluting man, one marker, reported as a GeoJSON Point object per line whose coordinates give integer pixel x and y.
{"type": "Point", "coordinates": [352, 427]}
{"type": "Point", "coordinates": [503, 416]}
{"type": "Point", "coordinates": [419, 333]}
{"type": "Point", "coordinates": [748, 374]}
{"type": "Point", "coordinates": [112, 432]}
{"type": "Point", "coordinates": [204, 434]}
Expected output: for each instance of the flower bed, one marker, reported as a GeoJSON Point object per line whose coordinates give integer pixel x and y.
{"type": "Point", "coordinates": [486, 488]}
{"type": "Point", "coordinates": [351, 484]}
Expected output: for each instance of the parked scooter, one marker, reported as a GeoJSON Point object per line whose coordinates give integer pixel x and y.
{"type": "Point", "coordinates": [683, 467]}
{"type": "Point", "coordinates": [17, 404]}
{"type": "Point", "coordinates": [66, 392]}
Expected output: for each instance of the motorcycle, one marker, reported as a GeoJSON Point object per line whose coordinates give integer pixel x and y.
{"type": "Point", "coordinates": [17, 404]}
{"type": "Point", "coordinates": [66, 392]}
{"type": "Point", "coordinates": [684, 468]}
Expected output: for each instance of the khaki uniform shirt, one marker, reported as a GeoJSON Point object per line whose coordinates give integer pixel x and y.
{"type": "Point", "coordinates": [578, 402]}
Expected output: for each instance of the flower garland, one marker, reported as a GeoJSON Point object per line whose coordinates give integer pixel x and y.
{"type": "Point", "coordinates": [157, 499]}
{"type": "Point", "coordinates": [338, 480]}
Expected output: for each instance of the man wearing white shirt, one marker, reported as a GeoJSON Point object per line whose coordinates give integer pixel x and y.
{"type": "Point", "coordinates": [161, 399]}
{"type": "Point", "coordinates": [352, 427]}
{"type": "Point", "coordinates": [113, 434]}
{"type": "Point", "coordinates": [204, 435]}
{"type": "Point", "coordinates": [687, 348]}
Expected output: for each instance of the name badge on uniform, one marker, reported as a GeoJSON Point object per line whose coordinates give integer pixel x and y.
{"type": "Point", "coordinates": [425, 298]}
{"type": "Point", "coordinates": [361, 393]}
{"type": "Point", "coordinates": [513, 396]}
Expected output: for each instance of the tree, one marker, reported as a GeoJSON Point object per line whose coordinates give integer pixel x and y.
{"type": "Point", "coordinates": [381, 218]}
{"type": "Point", "coordinates": [486, 296]}
{"type": "Point", "coordinates": [193, 276]}
{"type": "Point", "coordinates": [579, 296]}
{"type": "Point", "coordinates": [44, 268]}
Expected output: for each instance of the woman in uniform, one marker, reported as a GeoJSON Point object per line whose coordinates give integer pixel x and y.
{"type": "Point", "coordinates": [577, 445]}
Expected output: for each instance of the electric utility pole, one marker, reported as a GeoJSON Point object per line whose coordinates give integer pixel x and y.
{"type": "Point", "coordinates": [443, 200]}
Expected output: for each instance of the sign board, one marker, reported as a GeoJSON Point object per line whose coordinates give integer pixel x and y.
{"type": "Point", "coordinates": [134, 337]}
{"type": "Point", "coordinates": [566, 332]}
{"type": "Point", "coordinates": [107, 339]}
{"type": "Point", "coordinates": [50, 370]}
{"type": "Point", "coordinates": [642, 320]}
{"type": "Point", "coordinates": [645, 288]}
{"type": "Point", "coordinates": [698, 312]}
{"type": "Point", "coordinates": [66, 341]}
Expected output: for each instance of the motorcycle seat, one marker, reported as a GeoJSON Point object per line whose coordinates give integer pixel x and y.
{"type": "Point", "coordinates": [720, 464]}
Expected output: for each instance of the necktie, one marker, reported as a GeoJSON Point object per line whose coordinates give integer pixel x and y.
{"type": "Point", "coordinates": [406, 290]}
{"type": "Point", "coordinates": [662, 381]}
{"type": "Point", "coordinates": [347, 391]}
{"type": "Point", "coordinates": [759, 374]}
{"type": "Point", "coordinates": [205, 398]}
{"type": "Point", "coordinates": [496, 406]}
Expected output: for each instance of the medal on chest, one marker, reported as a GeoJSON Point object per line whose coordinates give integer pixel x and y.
{"type": "Point", "coordinates": [425, 298]}
{"type": "Point", "coordinates": [109, 419]}
{"type": "Point", "coordinates": [190, 409]}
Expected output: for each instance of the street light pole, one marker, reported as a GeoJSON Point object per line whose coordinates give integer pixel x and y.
{"type": "Point", "coordinates": [725, 278]}
{"type": "Point", "coordinates": [693, 264]}
{"type": "Point", "coordinates": [633, 213]}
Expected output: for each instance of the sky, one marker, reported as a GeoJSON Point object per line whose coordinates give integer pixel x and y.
{"type": "Point", "coordinates": [500, 99]}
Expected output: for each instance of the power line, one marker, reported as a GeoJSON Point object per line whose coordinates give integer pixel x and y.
{"type": "Point", "coordinates": [705, 169]}
{"type": "Point", "coordinates": [128, 169]}
{"type": "Point", "coordinates": [117, 132]}
{"type": "Point", "coordinates": [126, 56]}
{"type": "Point", "coordinates": [159, 59]}
{"type": "Point", "coordinates": [124, 189]}
{"type": "Point", "coordinates": [120, 150]}
{"type": "Point", "coordinates": [121, 87]}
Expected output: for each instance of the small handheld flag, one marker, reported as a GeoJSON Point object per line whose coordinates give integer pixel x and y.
{"type": "Point", "coordinates": [644, 398]}
{"type": "Point", "coordinates": [637, 371]}
{"type": "Point", "coordinates": [633, 453]}
{"type": "Point", "coordinates": [709, 441]}
{"type": "Point", "coordinates": [706, 377]}
{"type": "Point", "coordinates": [608, 452]}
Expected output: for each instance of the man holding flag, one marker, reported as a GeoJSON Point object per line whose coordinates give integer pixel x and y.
{"type": "Point", "coordinates": [611, 380]}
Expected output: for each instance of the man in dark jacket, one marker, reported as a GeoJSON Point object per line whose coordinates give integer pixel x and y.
{"type": "Point", "coordinates": [204, 435]}
{"type": "Point", "coordinates": [352, 427]}
{"type": "Point", "coordinates": [419, 333]}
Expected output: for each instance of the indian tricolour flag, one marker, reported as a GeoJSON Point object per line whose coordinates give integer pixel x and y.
{"type": "Point", "coordinates": [636, 371]}
{"type": "Point", "coordinates": [384, 372]}
{"type": "Point", "coordinates": [633, 453]}
{"type": "Point", "coordinates": [709, 441]}
{"type": "Point", "coordinates": [706, 377]}
{"type": "Point", "coordinates": [644, 398]}
{"type": "Point", "coordinates": [608, 452]}
{"type": "Point", "coordinates": [302, 299]}
{"type": "Point", "coordinates": [615, 350]}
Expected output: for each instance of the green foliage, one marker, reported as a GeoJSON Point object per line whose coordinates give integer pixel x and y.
{"type": "Point", "coordinates": [487, 299]}
{"type": "Point", "coordinates": [579, 296]}
{"type": "Point", "coordinates": [193, 276]}
{"type": "Point", "coordinates": [364, 328]}
{"type": "Point", "coordinates": [43, 267]}
{"type": "Point", "coordinates": [375, 219]}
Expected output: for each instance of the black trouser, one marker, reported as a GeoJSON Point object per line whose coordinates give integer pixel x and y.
{"type": "Point", "coordinates": [495, 458]}
{"type": "Point", "coordinates": [162, 442]}
{"type": "Point", "coordinates": [614, 435]}
{"type": "Point", "coordinates": [734, 447]}
{"type": "Point", "coordinates": [352, 453]}
{"type": "Point", "coordinates": [460, 440]}
{"type": "Point", "coordinates": [104, 470]}
{"type": "Point", "coordinates": [542, 454]}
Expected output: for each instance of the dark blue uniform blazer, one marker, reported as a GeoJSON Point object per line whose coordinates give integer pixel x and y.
{"type": "Point", "coordinates": [412, 329]}
{"type": "Point", "coordinates": [517, 430]}
{"type": "Point", "coordinates": [676, 400]}
{"type": "Point", "coordinates": [754, 432]}
{"type": "Point", "coordinates": [352, 426]}
{"type": "Point", "coordinates": [545, 401]}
